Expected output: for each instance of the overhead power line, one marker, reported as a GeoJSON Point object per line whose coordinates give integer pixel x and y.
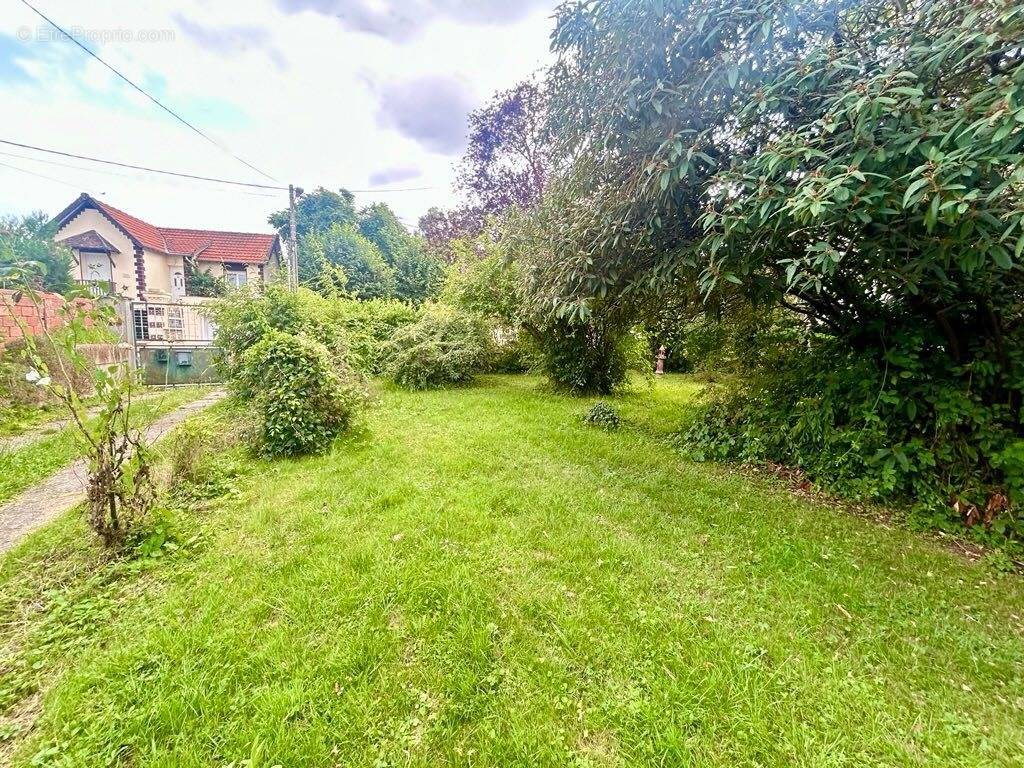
{"type": "Point", "coordinates": [145, 93]}
{"type": "Point", "coordinates": [193, 176]}
{"type": "Point", "coordinates": [108, 172]}
{"type": "Point", "coordinates": [38, 175]}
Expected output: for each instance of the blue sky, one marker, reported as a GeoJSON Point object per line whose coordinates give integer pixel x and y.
{"type": "Point", "coordinates": [354, 93]}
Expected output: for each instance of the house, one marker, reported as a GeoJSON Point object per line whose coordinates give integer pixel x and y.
{"type": "Point", "coordinates": [120, 254]}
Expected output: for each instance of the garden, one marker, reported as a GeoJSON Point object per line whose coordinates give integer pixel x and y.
{"type": "Point", "coordinates": [450, 514]}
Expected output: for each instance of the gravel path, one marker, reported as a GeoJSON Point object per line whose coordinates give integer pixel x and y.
{"type": "Point", "coordinates": [66, 488]}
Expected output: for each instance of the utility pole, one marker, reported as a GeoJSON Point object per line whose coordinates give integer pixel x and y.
{"type": "Point", "coordinates": [293, 243]}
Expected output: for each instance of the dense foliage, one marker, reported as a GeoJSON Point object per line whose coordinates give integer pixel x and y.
{"type": "Point", "coordinates": [200, 282]}
{"type": "Point", "coordinates": [445, 347]}
{"type": "Point", "coordinates": [340, 258]}
{"type": "Point", "coordinates": [367, 254]}
{"type": "Point", "coordinates": [27, 247]}
{"type": "Point", "coordinates": [855, 167]}
{"type": "Point", "coordinates": [506, 166]}
{"type": "Point", "coordinates": [439, 228]}
{"type": "Point", "coordinates": [418, 274]}
{"type": "Point", "coordinates": [317, 211]}
{"type": "Point", "coordinates": [243, 319]}
{"type": "Point", "coordinates": [592, 357]}
{"type": "Point", "coordinates": [303, 396]}
{"type": "Point", "coordinates": [368, 327]}
{"type": "Point", "coordinates": [507, 160]}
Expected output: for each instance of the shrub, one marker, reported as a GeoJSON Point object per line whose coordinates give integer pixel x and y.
{"type": "Point", "coordinates": [194, 458]}
{"type": "Point", "coordinates": [244, 318]}
{"type": "Point", "coordinates": [590, 358]}
{"type": "Point", "coordinates": [916, 430]}
{"type": "Point", "coordinates": [369, 326]}
{"type": "Point", "coordinates": [603, 415]}
{"type": "Point", "coordinates": [512, 352]}
{"type": "Point", "coordinates": [199, 282]}
{"type": "Point", "coordinates": [304, 398]}
{"type": "Point", "coordinates": [444, 347]}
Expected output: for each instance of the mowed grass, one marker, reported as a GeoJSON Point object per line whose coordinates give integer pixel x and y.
{"type": "Point", "coordinates": [476, 578]}
{"type": "Point", "coordinates": [33, 463]}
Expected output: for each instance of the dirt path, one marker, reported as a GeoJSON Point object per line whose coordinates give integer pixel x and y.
{"type": "Point", "coordinates": [63, 490]}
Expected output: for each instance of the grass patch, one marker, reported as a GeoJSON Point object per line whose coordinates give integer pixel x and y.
{"type": "Point", "coordinates": [24, 467]}
{"type": "Point", "coordinates": [475, 577]}
{"type": "Point", "coordinates": [16, 420]}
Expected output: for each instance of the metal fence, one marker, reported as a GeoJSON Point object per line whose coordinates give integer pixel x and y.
{"type": "Point", "coordinates": [172, 342]}
{"type": "Point", "coordinates": [159, 323]}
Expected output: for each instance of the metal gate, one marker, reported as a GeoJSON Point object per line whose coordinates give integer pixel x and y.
{"type": "Point", "coordinates": [173, 342]}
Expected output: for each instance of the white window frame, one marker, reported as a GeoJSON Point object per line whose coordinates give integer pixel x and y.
{"type": "Point", "coordinates": [236, 278]}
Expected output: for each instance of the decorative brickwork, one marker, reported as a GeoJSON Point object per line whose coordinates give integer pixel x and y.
{"type": "Point", "coordinates": [140, 273]}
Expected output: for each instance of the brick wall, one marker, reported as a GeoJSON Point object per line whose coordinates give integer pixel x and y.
{"type": "Point", "coordinates": [34, 316]}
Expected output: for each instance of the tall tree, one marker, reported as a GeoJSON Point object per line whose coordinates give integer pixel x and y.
{"type": "Point", "coordinates": [342, 257]}
{"type": "Point", "coordinates": [506, 166]}
{"type": "Point", "coordinates": [439, 228]}
{"type": "Point", "coordinates": [418, 273]}
{"type": "Point", "coordinates": [507, 162]}
{"type": "Point", "coordinates": [317, 211]}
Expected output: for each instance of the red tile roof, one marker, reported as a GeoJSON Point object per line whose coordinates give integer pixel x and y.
{"type": "Point", "coordinates": [209, 245]}
{"type": "Point", "coordinates": [203, 244]}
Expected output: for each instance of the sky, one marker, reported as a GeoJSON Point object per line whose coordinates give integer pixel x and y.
{"type": "Point", "coordinates": [361, 94]}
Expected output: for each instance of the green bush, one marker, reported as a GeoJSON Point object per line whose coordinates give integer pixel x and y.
{"type": "Point", "coordinates": [369, 326]}
{"type": "Point", "coordinates": [917, 430]}
{"type": "Point", "coordinates": [243, 318]}
{"type": "Point", "coordinates": [444, 347]}
{"type": "Point", "coordinates": [200, 282]}
{"type": "Point", "coordinates": [196, 459]}
{"type": "Point", "coordinates": [603, 415]}
{"type": "Point", "coordinates": [591, 358]}
{"type": "Point", "coordinates": [303, 396]}
{"type": "Point", "coordinates": [512, 352]}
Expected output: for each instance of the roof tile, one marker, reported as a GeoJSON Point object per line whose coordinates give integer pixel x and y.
{"type": "Point", "coordinates": [203, 244]}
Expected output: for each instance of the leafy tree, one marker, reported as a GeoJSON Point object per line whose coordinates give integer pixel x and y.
{"type": "Point", "coordinates": [418, 274]}
{"type": "Point", "coordinates": [366, 272]}
{"type": "Point", "coordinates": [507, 161]}
{"type": "Point", "coordinates": [895, 197]}
{"type": "Point", "coordinates": [26, 245]}
{"type": "Point", "coordinates": [439, 228]}
{"type": "Point", "coordinates": [507, 165]}
{"type": "Point", "coordinates": [857, 164]}
{"type": "Point", "coordinates": [317, 211]}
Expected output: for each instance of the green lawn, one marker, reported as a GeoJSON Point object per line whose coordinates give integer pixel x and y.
{"type": "Point", "coordinates": [476, 578]}
{"type": "Point", "coordinates": [26, 466]}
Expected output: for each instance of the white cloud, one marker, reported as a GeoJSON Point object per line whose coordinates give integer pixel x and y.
{"type": "Point", "coordinates": [297, 94]}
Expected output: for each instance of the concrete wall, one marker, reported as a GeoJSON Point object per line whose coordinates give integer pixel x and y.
{"type": "Point", "coordinates": [160, 365]}
{"type": "Point", "coordinates": [124, 262]}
